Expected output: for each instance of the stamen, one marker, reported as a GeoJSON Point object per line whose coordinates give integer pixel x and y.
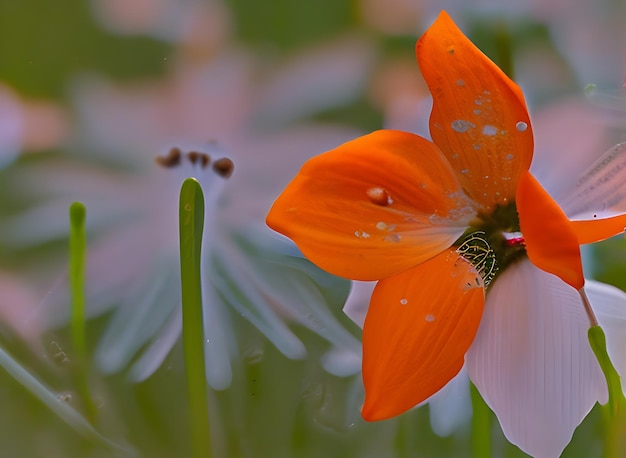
{"type": "Point", "coordinates": [203, 158]}
{"type": "Point", "coordinates": [476, 249]}
{"type": "Point", "coordinates": [193, 157]}
{"type": "Point", "coordinates": [224, 167]}
{"type": "Point", "coordinates": [171, 160]}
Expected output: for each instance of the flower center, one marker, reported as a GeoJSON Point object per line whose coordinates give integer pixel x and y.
{"type": "Point", "coordinates": [493, 242]}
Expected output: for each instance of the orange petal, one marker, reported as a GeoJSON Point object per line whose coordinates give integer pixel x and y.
{"type": "Point", "coordinates": [479, 118]}
{"type": "Point", "coordinates": [417, 330]}
{"type": "Point", "coordinates": [551, 243]}
{"type": "Point", "coordinates": [374, 206]}
{"type": "Point", "coordinates": [595, 230]}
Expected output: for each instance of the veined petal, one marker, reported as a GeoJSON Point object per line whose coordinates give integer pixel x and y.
{"type": "Point", "coordinates": [602, 188]}
{"type": "Point", "coordinates": [358, 301]}
{"type": "Point", "coordinates": [531, 360]}
{"type": "Point", "coordinates": [595, 230]}
{"type": "Point", "coordinates": [479, 118]}
{"type": "Point", "coordinates": [419, 325]}
{"type": "Point", "coordinates": [374, 206]}
{"type": "Point", "coordinates": [551, 243]}
{"type": "Point", "coordinates": [609, 305]}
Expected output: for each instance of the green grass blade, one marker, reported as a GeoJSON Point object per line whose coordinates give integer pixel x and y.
{"type": "Point", "coordinates": [78, 249]}
{"type": "Point", "coordinates": [54, 402]}
{"type": "Point", "coordinates": [191, 223]}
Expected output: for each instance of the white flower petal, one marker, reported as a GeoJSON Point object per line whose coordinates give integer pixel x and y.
{"type": "Point", "coordinates": [219, 343]}
{"type": "Point", "coordinates": [152, 358]}
{"type": "Point", "coordinates": [601, 189]}
{"type": "Point", "coordinates": [342, 362]}
{"type": "Point", "coordinates": [358, 301]}
{"type": "Point", "coordinates": [609, 304]}
{"type": "Point", "coordinates": [532, 362]}
{"type": "Point", "coordinates": [451, 407]}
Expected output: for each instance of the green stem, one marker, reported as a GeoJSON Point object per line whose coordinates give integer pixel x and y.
{"type": "Point", "coordinates": [78, 248]}
{"type": "Point", "coordinates": [191, 223]}
{"type": "Point", "coordinates": [481, 425]}
{"type": "Point", "coordinates": [610, 412]}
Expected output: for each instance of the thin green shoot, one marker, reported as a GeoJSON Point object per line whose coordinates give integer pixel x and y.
{"type": "Point", "coordinates": [78, 249]}
{"type": "Point", "coordinates": [191, 224]}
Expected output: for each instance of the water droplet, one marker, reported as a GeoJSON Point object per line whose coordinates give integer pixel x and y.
{"type": "Point", "coordinates": [477, 111]}
{"type": "Point", "coordinates": [450, 49]}
{"type": "Point", "coordinates": [461, 125]}
{"type": "Point", "coordinates": [464, 171]}
{"type": "Point", "coordinates": [379, 196]}
{"type": "Point", "coordinates": [395, 238]}
{"type": "Point", "coordinates": [509, 157]}
{"type": "Point", "coordinates": [490, 130]}
{"type": "Point", "coordinates": [521, 126]}
{"type": "Point", "coordinates": [430, 317]}
{"type": "Point", "coordinates": [361, 234]}
{"type": "Point", "coordinates": [478, 101]}
{"type": "Point", "coordinates": [460, 82]}
{"type": "Point", "coordinates": [454, 156]}
{"type": "Point", "coordinates": [476, 147]}
{"type": "Point", "coordinates": [404, 301]}
{"type": "Point", "coordinates": [381, 226]}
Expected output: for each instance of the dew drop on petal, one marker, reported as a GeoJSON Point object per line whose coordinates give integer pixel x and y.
{"type": "Point", "coordinates": [490, 130]}
{"type": "Point", "coordinates": [509, 157]}
{"type": "Point", "coordinates": [460, 82]}
{"type": "Point", "coordinates": [404, 301]}
{"type": "Point", "coordinates": [381, 226]}
{"type": "Point", "coordinates": [464, 171]}
{"type": "Point", "coordinates": [395, 238]}
{"type": "Point", "coordinates": [521, 126]}
{"type": "Point", "coordinates": [430, 317]}
{"type": "Point", "coordinates": [461, 125]}
{"type": "Point", "coordinates": [379, 196]}
{"type": "Point", "coordinates": [450, 49]}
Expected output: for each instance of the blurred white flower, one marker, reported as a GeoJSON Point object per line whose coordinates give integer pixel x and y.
{"type": "Point", "coordinates": [28, 125]}
{"type": "Point", "coordinates": [132, 202]}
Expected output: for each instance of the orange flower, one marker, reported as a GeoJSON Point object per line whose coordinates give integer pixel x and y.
{"type": "Point", "coordinates": [433, 222]}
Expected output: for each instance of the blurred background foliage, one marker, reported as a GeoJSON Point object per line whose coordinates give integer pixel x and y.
{"type": "Point", "coordinates": [92, 91]}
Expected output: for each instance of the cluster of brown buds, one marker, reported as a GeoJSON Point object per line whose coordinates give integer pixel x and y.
{"type": "Point", "coordinates": [222, 166]}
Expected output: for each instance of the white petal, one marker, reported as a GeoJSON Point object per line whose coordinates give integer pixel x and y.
{"type": "Point", "coordinates": [342, 362]}
{"type": "Point", "coordinates": [601, 189]}
{"type": "Point", "coordinates": [148, 363]}
{"type": "Point", "coordinates": [358, 301]}
{"type": "Point", "coordinates": [451, 407]}
{"type": "Point", "coordinates": [532, 362]}
{"type": "Point", "coordinates": [609, 304]}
